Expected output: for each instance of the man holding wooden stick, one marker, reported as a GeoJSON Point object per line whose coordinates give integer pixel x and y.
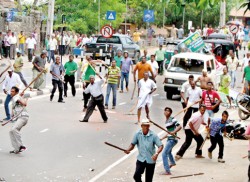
{"type": "Point", "coordinates": [145, 139]}
{"type": "Point", "coordinates": [22, 116]}
{"type": "Point", "coordinates": [192, 132]}
{"type": "Point", "coordinates": [173, 127]}
{"type": "Point", "coordinates": [57, 71]}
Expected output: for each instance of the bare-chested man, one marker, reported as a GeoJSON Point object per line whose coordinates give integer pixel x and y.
{"type": "Point", "coordinates": [203, 79]}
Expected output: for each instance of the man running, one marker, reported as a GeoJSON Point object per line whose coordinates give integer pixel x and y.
{"type": "Point", "coordinates": [146, 87]}
{"type": "Point", "coordinates": [57, 71]}
{"type": "Point", "coordinates": [192, 132]}
{"type": "Point", "coordinates": [70, 69]}
{"type": "Point", "coordinates": [146, 140]}
{"type": "Point", "coordinates": [21, 117]}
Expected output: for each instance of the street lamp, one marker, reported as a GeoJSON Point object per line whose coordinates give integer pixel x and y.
{"type": "Point", "coordinates": [99, 14]}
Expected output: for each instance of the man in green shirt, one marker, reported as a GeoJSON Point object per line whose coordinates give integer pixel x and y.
{"type": "Point", "coordinates": [113, 75]}
{"type": "Point", "coordinates": [118, 59]}
{"type": "Point", "coordinates": [70, 69]}
{"type": "Point", "coordinates": [160, 59]}
{"type": "Point", "coordinates": [18, 64]}
{"type": "Point", "coordinates": [246, 75]}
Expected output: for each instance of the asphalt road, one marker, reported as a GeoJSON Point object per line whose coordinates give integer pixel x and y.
{"type": "Point", "coordinates": [60, 148]}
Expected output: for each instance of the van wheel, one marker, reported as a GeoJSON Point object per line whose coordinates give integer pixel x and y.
{"type": "Point", "coordinates": [169, 95]}
{"type": "Point", "coordinates": [242, 115]}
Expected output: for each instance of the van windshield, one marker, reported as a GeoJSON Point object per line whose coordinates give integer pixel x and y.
{"type": "Point", "coordinates": [185, 65]}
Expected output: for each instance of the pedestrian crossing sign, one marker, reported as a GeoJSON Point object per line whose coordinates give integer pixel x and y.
{"type": "Point", "coordinates": [111, 15]}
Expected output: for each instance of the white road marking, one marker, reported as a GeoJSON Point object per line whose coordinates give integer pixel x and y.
{"type": "Point", "coordinates": [111, 112]}
{"type": "Point", "coordinates": [95, 178]}
{"type": "Point", "coordinates": [122, 103]}
{"type": "Point", "coordinates": [155, 95]}
{"type": "Point", "coordinates": [45, 130]}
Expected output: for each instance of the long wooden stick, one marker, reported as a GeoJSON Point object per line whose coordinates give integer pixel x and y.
{"type": "Point", "coordinates": [186, 108]}
{"type": "Point", "coordinates": [40, 74]}
{"type": "Point", "coordinates": [14, 117]}
{"type": "Point", "coordinates": [6, 68]}
{"type": "Point", "coordinates": [164, 129]}
{"type": "Point", "coordinates": [133, 93]}
{"type": "Point", "coordinates": [197, 174]}
{"type": "Point", "coordinates": [119, 148]}
{"type": "Point", "coordinates": [204, 140]}
{"type": "Point", "coordinates": [134, 106]}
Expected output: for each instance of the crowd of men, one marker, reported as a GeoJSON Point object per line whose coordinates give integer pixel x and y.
{"type": "Point", "coordinates": [200, 102]}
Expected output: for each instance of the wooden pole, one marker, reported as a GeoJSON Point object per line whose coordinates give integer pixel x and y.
{"type": "Point", "coordinates": [164, 129]}
{"type": "Point", "coordinates": [114, 146]}
{"type": "Point", "coordinates": [133, 93]}
{"type": "Point", "coordinates": [186, 108]}
{"type": "Point", "coordinates": [40, 74]}
{"type": "Point", "coordinates": [197, 174]}
{"type": "Point", "coordinates": [204, 140]}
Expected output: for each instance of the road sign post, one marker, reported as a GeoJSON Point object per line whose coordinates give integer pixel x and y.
{"type": "Point", "coordinates": [107, 31]}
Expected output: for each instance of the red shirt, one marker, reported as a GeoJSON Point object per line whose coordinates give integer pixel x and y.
{"type": "Point", "coordinates": [213, 95]}
{"type": "Point", "coordinates": [209, 31]}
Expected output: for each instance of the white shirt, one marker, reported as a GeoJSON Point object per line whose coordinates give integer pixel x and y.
{"type": "Point", "coordinates": [154, 66]}
{"type": "Point", "coordinates": [146, 86]}
{"type": "Point", "coordinates": [196, 119]}
{"type": "Point", "coordinates": [95, 89]}
{"type": "Point", "coordinates": [13, 40]}
{"type": "Point", "coordinates": [53, 44]}
{"type": "Point", "coordinates": [85, 40]}
{"type": "Point", "coordinates": [17, 107]}
{"type": "Point", "coordinates": [185, 86]}
{"type": "Point", "coordinates": [194, 95]}
{"type": "Point", "coordinates": [205, 32]}
{"type": "Point", "coordinates": [31, 42]}
{"type": "Point", "coordinates": [241, 35]}
{"type": "Point", "coordinates": [12, 81]}
{"type": "Point", "coordinates": [245, 61]}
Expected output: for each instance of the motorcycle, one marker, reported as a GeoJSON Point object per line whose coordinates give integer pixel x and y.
{"type": "Point", "coordinates": [236, 130]}
{"type": "Point", "coordinates": [244, 107]}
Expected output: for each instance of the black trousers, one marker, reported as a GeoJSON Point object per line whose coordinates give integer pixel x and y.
{"type": "Point", "coordinates": [7, 48]}
{"type": "Point", "coordinates": [189, 137]}
{"type": "Point", "coordinates": [249, 166]}
{"type": "Point", "coordinates": [188, 115]}
{"type": "Point", "coordinates": [86, 97]}
{"type": "Point", "coordinates": [214, 140]}
{"type": "Point", "coordinates": [98, 101]}
{"type": "Point", "coordinates": [140, 168]}
{"type": "Point", "coordinates": [71, 80]}
{"type": "Point", "coordinates": [183, 105]}
{"type": "Point", "coordinates": [30, 54]}
{"type": "Point", "coordinates": [57, 83]}
{"type": "Point", "coordinates": [160, 64]}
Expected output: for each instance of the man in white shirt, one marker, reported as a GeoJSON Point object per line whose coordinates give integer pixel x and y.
{"type": "Point", "coordinates": [245, 61]}
{"type": "Point", "coordinates": [13, 42]}
{"type": "Point", "coordinates": [52, 44]}
{"type": "Point", "coordinates": [7, 43]}
{"type": "Point", "coordinates": [95, 89]}
{"type": "Point", "coordinates": [11, 80]}
{"type": "Point", "coordinates": [30, 44]}
{"type": "Point", "coordinates": [241, 35]}
{"type": "Point", "coordinates": [193, 96]}
{"type": "Point", "coordinates": [232, 64]}
{"type": "Point", "coordinates": [192, 132]}
{"type": "Point", "coordinates": [154, 66]}
{"type": "Point", "coordinates": [185, 86]}
{"type": "Point", "coordinates": [204, 32]}
{"type": "Point", "coordinates": [146, 87]}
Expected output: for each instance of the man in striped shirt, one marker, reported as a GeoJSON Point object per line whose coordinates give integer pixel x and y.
{"type": "Point", "coordinates": [192, 132]}
{"type": "Point", "coordinates": [113, 75]}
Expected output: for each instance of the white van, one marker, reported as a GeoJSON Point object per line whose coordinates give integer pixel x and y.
{"type": "Point", "coordinates": [184, 64]}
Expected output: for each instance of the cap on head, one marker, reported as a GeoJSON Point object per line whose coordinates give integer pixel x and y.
{"type": "Point", "coordinates": [44, 52]}
{"type": "Point", "coordinates": [10, 69]}
{"type": "Point", "coordinates": [92, 76]}
{"type": "Point", "coordinates": [145, 122]}
{"type": "Point", "coordinates": [18, 52]}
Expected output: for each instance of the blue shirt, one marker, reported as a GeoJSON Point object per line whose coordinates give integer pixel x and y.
{"type": "Point", "coordinates": [216, 127]}
{"type": "Point", "coordinates": [146, 145]}
{"type": "Point", "coordinates": [125, 64]}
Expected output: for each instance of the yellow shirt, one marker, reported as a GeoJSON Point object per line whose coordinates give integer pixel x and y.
{"type": "Point", "coordinates": [142, 68]}
{"type": "Point", "coordinates": [136, 36]}
{"type": "Point", "coordinates": [21, 39]}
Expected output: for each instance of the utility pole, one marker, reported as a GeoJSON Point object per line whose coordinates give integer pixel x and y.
{"type": "Point", "coordinates": [126, 16]}
{"type": "Point", "coordinates": [164, 12]}
{"type": "Point", "coordinates": [99, 15]}
{"type": "Point", "coordinates": [50, 19]}
{"type": "Point", "coordinates": [222, 13]}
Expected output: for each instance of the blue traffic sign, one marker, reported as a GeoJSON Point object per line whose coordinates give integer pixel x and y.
{"type": "Point", "coordinates": [110, 15]}
{"type": "Point", "coordinates": [148, 16]}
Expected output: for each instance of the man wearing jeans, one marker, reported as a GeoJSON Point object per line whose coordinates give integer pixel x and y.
{"type": "Point", "coordinates": [21, 39]}
{"type": "Point", "coordinates": [160, 59]}
{"type": "Point", "coordinates": [11, 80]}
{"type": "Point", "coordinates": [113, 75]}
{"type": "Point", "coordinates": [173, 127]}
{"type": "Point", "coordinates": [125, 68]}
{"type": "Point", "coordinates": [232, 64]}
{"type": "Point", "coordinates": [146, 140]}
{"type": "Point", "coordinates": [30, 44]}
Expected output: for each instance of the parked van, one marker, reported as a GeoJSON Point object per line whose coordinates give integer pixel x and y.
{"type": "Point", "coordinates": [184, 64]}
